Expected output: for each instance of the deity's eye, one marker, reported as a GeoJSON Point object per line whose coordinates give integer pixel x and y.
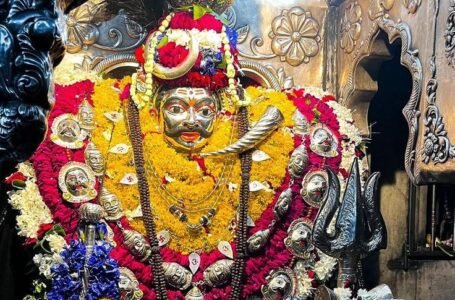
{"type": "Point", "coordinates": [176, 109]}
{"type": "Point", "coordinates": [205, 111]}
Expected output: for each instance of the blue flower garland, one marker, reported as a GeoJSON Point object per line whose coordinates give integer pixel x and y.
{"type": "Point", "coordinates": [103, 271]}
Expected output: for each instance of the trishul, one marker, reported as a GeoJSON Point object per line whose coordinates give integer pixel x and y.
{"type": "Point", "coordinates": [359, 227]}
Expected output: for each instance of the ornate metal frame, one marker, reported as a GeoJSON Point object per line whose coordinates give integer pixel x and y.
{"type": "Point", "coordinates": [251, 69]}
{"type": "Point", "coordinates": [409, 59]}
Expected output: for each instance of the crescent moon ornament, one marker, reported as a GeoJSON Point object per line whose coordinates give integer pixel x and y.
{"type": "Point", "coordinates": [181, 69]}
{"type": "Point", "coordinates": [268, 123]}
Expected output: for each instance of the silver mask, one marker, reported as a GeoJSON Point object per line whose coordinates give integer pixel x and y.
{"type": "Point", "coordinates": [298, 241]}
{"type": "Point", "coordinates": [189, 116]}
{"type": "Point", "coordinates": [177, 276]}
{"type": "Point", "coordinates": [323, 141]}
{"type": "Point", "coordinates": [218, 273]}
{"type": "Point", "coordinates": [314, 188]}
{"type": "Point", "coordinates": [281, 284]}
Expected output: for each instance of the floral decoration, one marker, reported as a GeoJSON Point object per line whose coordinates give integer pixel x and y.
{"type": "Point", "coordinates": [29, 202]}
{"type": "Point", "coordinates": [295, 36]}
{"type": "Point", "coordinates": [350, 27]}
{"type": "Point", "coordinates": [110, 95]}
{"type": "Point", "coordinates": [101, 270]}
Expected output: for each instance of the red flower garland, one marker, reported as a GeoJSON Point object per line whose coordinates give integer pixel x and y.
{"type": "Point", "coordinates": [50, 158]}
{"type": "Point", "coordinates": [171, 55]}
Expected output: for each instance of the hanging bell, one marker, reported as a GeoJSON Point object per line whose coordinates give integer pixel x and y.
{"type": "Point", "coordinates": [194, 294]}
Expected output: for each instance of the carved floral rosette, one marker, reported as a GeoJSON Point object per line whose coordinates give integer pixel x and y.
{"type": "Point", "coordinates": [50, 157]}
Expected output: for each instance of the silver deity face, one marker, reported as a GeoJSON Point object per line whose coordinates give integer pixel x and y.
{"type": "Point", "coordinates": [86, 116]}
{"type": "Point", "coordinates": [77, 181]}
{"type": "Point", "coordinates": [189, 115]}
{"type": "Point", "coordinates": [137, 244]}
{"type": "Point", "coordinates": [323, 141]}
{"type": "Point", "coordinates": [69, 130]}
{"type": "Point", "coordinates": [258, 240]}
{"type": "Point", "coordinates": [282, 204]}
{"type": "Point", "coordinates": [94, 159]}
{"type": "Point", "coordinates": [281, 284]}
{"type": "Point", "coordinates": [298, 161]}
{"type": "Point", "coordinates": [111, 205]}
{"type": "Point", "coordinates": [298, 241]}
{"type": "Point", "coordinates": [218, 273]}
{"type": "Point", "coordinates": [177, 276]}
{"type": "Point", "coordinates": [314, 188]}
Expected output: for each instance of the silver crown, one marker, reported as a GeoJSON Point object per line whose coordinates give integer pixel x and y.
{"type": "Point", "coordinates": [218, 6]}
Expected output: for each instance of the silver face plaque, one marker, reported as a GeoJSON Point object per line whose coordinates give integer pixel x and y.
{"type": "Point", "coordinates": [323, 141]}
{"type": "Point", "coordinates": [314, 188]}
{"type": "Point", "coordinates": [298, 241]}
{"type": "Point", "coordinates": [77, 182]}
{"type": "Point", "coordinates": [189, 115]}
{"type": "Point", "coordinates": [281, 284]}
{"type": "Point", "coordinates": [218, 273]}
{"type": "Point", "coordinates": [177, 276]}
{"type": "Point", "coordinates": [67, 132]}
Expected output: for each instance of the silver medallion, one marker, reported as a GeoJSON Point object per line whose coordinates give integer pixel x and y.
{"type": "Point", "coordinates": [323, 141]}
{"type": "Point", "coordinates": [77, 182]}
{"type": "Point", "coordinates": [67, 132]}
{"type": "Point", "coordinates": [298, 241]}
{"type": "Point", "coordinates": [177, 276]}
{"type": "Point", "coordinates": [282, 204]}
{"type": "Point", "coordinates": [219, 273]}
{"type": "Point", "coordinates": [314, 188]}
{"type": "Point", "coordinates": [281, 284]}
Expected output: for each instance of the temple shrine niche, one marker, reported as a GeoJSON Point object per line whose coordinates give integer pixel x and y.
{"type": "Point", "coordinates": [248, 149]}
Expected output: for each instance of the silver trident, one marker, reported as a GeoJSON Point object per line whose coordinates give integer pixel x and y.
{"type": "Point", "coordinates": [359, 227]}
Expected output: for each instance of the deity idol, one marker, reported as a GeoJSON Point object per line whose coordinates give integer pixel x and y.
{"type": "Point", "coordinates": [209, 185]}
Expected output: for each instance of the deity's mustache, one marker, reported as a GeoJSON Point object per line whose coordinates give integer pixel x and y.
{"type": "Point", "coordinates": [178, 130]}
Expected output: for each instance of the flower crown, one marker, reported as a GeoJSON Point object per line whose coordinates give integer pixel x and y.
{"type": "Point", "coordinates": [189, 49]}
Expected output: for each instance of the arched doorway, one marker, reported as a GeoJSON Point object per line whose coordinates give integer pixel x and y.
{"type": "Point", "coordinates": [388, 133]}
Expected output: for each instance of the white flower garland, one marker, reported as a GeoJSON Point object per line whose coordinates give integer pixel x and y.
{"type": "Point", "coordinates": [66, 73]}
{"type": "Point", "coordinates": [28, 201]}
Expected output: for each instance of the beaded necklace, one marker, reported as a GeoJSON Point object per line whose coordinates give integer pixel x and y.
{"type": "Point", "coordinates": [240, 243]}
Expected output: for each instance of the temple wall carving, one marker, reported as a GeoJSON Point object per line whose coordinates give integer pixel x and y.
{"type": "Point", "coordinates": [331, 44]}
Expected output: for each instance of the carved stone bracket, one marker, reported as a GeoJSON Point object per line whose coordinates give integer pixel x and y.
{"type": "Point", "coordinates": [409, 59]}
{"type": "Point", "coordinates": [437, 147]}
{"type": "Point", "coordinates": [450, 35]}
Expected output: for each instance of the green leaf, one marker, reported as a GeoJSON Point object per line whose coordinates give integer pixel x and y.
{"type": "Point", "coordinates": [223, 63]}
{"type": "Point", "coordinates": [18, 184]}
{"type": "Point", "coordinates": [199, 11]}
{"type": "Point", "coordinates": [163, 42]}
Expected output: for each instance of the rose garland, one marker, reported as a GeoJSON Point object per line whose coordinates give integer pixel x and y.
{"type": "Point", "coordinates": [47, 168]}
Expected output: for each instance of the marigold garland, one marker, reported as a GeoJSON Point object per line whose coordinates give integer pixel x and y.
{"type": "Point", "coordinates": [109, 96]}
{"type": "Point", "coordinates": [184, 172]}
